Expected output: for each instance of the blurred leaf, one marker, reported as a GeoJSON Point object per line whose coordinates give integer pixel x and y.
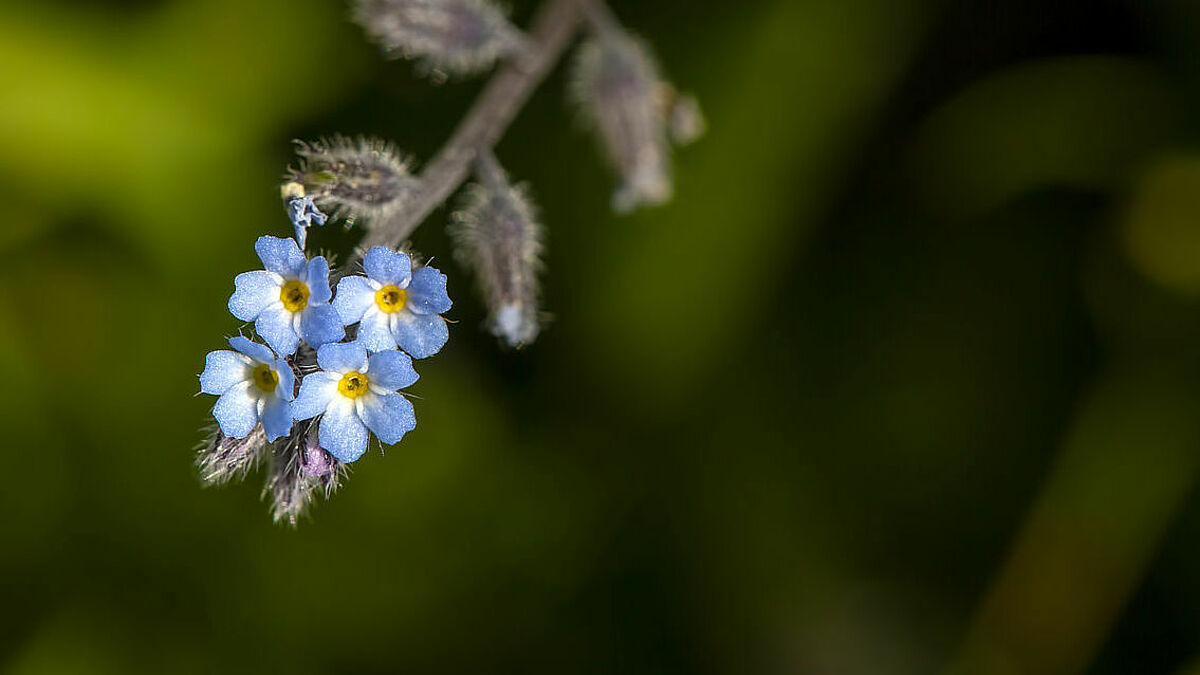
{"type": "Point", "coordinates": [1082, 122]}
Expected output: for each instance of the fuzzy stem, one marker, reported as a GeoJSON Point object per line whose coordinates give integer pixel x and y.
{"type": "Point", "coordinates": [550, 34]}
{"type": "Point", "coordinates": [489, 172]}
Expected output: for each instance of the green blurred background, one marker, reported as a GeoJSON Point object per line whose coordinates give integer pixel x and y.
{"type": "Point", "coordinates": [906, 380]}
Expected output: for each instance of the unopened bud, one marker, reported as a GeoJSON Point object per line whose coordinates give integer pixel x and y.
{"type": "Point", "coordinates": [618, 86]}
{"type": "Point", "coordinates": [300, 470]}
{"type": "Point", "coordinates": [222, 459]}
{"type": "Point", "coordinates": [458, 37]}
{"type": "Point", "coordinates": [498, 236]}
{"type": "Point", "coordinates": [354, 178]}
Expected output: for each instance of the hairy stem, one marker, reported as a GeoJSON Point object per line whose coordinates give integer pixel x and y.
{"type": "Point", "coordinates": [552, 29]}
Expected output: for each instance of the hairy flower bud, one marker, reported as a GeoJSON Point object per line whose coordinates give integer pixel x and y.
{"type": "Point", "coordinates": [300, 470]}
{"type": "Point", "coordinates": [221, 458]}
{"type": "Point", "coordinates": [354, 178]}
{"type": "Point", "coordinates": [458, 37]}
{"type": "Point", "coordinates": [618, 86]}
{"type": "Point", "coordinates": [498, 236]}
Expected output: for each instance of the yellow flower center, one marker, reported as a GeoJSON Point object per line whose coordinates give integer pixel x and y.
{"type": "Point", "coordinates": [391, 298]}
{"type": "Point", "coordinates": [265, 378]}
{"type": "Point", "coordinates": [353, 385]}
{"type": "Point", "coordinates": [294, 295]}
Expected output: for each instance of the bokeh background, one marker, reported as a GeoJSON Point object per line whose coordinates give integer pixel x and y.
{"type": "Point", "coordinates": [906, 379]}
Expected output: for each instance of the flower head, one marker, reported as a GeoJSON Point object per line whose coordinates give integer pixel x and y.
{"type": "Point", "coordinates": [254, 385]}
{"type": "Point", "coordinates": [395, 305]}
{"type": "Point", "coordinates": [288, 301]}
{"type": "Point", "coordinates": [301, 211]}
{"type": "Point", "coordinates": [354, 393]}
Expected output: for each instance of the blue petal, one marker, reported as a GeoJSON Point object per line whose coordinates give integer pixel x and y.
{"type": "Point", "coordinates": [318, 280]}
{"type": "Point", "coordinates": [375, 332]}
{"type": "Point", "coordinates": [387, 266]}
{"type": "Point", "coordinates": [342, 433]}
{"type": "Point", "coordinates": [391, 370]}
{"type": "Point", "coordinates": [316, 391]}
{"type": "Point", "coordinates": [222, 370]}
{"type": "Point", "coordinates": [355, 295]}
{"type": "Point", "coordinates": [277, 418]}
{"type": "Point", "coordinates": [258, 352]}
{"type": "Point", "coordinates": [342, 357]}
{"type": "Point", "coordinates": [427, 292]}
{"type": "Point", "coordinates": [320, 324]}
{"type": "Point", "coordinates": [275, 326]}
{"type": "Point", "coordinates": [237, 411]}
{"type": "Point", "coordinates": [303, 212]}
{"type": "Point", "coordinates": [281, 256]}
{"type": "Point", "coordinates": [420, 335]}
{"type": "Point", "coordinates": [390, 416]}
{"type": "Point", "coordinates": [287, 380]}
{"type": "Point", "coordinates": [301, 235]}
{"type": "Point", "coordinates": [252, 293]}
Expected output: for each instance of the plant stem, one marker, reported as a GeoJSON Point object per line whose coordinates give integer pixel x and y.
{"type": "Point", "coordinates": [550, 33]}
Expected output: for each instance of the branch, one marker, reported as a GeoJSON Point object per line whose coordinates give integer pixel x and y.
{"type": "Point", "coordinates": [550, 34]}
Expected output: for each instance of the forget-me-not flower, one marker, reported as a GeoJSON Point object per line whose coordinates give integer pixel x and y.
{"type": "Point", "coordinates": [288, 301]}
{"type": "Point", "coordinates": [254, 385]}
{"type": "Point", "coordinates": [355, 392]}
{"type": "Point", "coordinates": [395, 305]}
{"type": "Point", "coordinates": [303, 213]}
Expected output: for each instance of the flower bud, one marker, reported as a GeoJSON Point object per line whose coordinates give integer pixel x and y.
{"type": "Point", "coordinates": [222, 459]}
{"type": "Point", "coordinates": [618, 86]}
{"type": "Point", "coordinates": [459, 37]}
{"type": "Point", "coordinates": [498, 236]}
{"type": "Point", "coordinates": [300, 470]}
{"type": "Point", "coordinates": [360, 178]}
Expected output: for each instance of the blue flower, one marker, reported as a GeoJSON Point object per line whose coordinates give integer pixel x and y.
{"type": "Point", "coordinates": [288, 301]}
{"type": "Point", "coordinates": [303, 213]}
{"type": "Point", "coordinates": [254, 385]}
{"type": "Point", "coordinates": [394, 305]}
{"type": "Point", "coordinates": [355, 392]}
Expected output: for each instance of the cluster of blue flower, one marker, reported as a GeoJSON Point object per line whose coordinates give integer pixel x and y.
{"type": "Point", "coordinates": [391, 315]}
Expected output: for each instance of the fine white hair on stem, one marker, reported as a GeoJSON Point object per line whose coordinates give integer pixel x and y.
{"type": "Point", "coordinates": [498, 237]}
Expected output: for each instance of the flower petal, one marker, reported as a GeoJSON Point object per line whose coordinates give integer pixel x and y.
{"type": "Point", "coordinates": [375, 332]}
{"type": "Point", "coordinates": [277, 418]}
{"type": "Point", "coordinates": [253, 292]}
{"type": "Point", "coordinates": [316, 391]}
{"type": "Point", "coordinates": [420, 335]}
{"type": "Point", "coordinates": [222, 370]}
{"type": "Point", "coordinates": [342, 357]}
{"type": "Point", "coordinates": [389, 416]}
{"type": "Point", "coordinates": [237, 410]}
{"type": "Point", "coordinates": [275, 326]}
{"type": "Point", "coordinates": [342, 433]}
{"type": "Point", "coordinates": [427, 292]}
{"type": "Point", "coordinates": [320, 324]}
{"type": "Point", "coordinates": [387, 266]}
{"type": "Point", "coordinates": [355, 295]}
{"type": "Point", "coordinates": [317, 278]}
{"type": "Point", "coordinates": [301, 235]}
{"type": "Point", "coordinates": [392, 370]}
{"type": "Point", "coordinates": [281, 256]}
{"type": "Point", "coordinates": [259, 353]}
{"type": "Point", "coordinates": [287, 380]}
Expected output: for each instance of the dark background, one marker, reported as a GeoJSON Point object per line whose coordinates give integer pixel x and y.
{"type": "Point", "coordinates": [905, 380]}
